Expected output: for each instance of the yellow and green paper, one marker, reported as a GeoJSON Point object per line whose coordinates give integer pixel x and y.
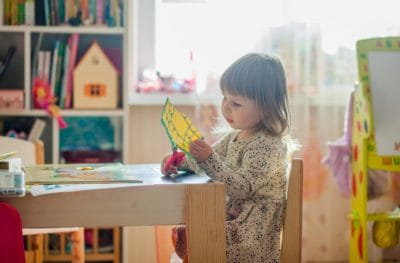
{"type": "Point", "coordinates": [179, 128]}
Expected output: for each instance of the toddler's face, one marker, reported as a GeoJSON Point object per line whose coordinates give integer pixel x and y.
{"type": "Point", "coordinates": [240, 112]}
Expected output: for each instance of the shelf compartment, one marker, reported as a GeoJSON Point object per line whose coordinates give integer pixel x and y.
{"type": "Point", "coordinates": [80, 144]}
{"type": "Point", "coordinates": [13, 75]}
{"type": "Point", "coordinates": [110, 44]}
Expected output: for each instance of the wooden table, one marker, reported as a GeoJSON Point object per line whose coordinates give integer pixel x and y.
{"type": "Point", "coordinates": [192, 200]}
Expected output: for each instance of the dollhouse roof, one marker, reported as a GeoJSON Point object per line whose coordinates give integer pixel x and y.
{"type": "Point", "coordinates": [93, 49]}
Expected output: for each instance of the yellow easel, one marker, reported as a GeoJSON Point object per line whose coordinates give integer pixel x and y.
{"type": "Point", "coordinates": [363, 150]}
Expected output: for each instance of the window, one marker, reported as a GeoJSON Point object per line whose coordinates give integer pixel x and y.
{"type": "Point", "coordinates": [315, 39]}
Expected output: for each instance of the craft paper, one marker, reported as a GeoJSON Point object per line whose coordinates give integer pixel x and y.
{"type": "Point", "coordinates": [179, 128]}
{"type": "Point", "coordinates": [77, 174]}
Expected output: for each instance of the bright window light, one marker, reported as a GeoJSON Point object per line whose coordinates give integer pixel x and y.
{"type": "Point", "coordinates": [316, 39]}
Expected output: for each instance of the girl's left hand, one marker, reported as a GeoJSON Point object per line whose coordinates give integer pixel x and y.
{"type": "Point", "coordinates": [200, 150]}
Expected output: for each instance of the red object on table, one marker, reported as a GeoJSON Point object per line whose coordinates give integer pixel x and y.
{"type": "Point", "coordinates": [175, 159]}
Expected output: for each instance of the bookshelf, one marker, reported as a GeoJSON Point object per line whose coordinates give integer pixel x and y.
{"type": "Point", "coordinates": [27, 39]}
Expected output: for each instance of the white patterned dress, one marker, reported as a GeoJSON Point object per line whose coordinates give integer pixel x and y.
{"type": "Point", "coordinates": [254, 173]}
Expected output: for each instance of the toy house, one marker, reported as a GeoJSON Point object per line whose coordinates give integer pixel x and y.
{"type": "Point", "coordinates": [95, 81]}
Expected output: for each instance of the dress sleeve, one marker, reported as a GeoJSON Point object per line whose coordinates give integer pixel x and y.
{"type": "Point", "coordinates": [261, 172]}
{"type": "Point", "coordinates": [190, 164]}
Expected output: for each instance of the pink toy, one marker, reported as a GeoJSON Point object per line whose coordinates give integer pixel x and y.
{"type": "Point", "coordinates": [43, 99]}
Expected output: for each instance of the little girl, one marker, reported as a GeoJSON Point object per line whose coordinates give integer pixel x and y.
{"type": "Point", "coordinates": [252, 160]}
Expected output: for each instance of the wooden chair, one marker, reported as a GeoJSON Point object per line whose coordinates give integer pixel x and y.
{"type": "Point", "coordinates": [33, 153]}
{"type": "Point", "coordinates": [292, 226]}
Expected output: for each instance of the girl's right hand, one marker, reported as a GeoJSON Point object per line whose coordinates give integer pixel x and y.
{"type": "Point", "coordinates": [172, 169]}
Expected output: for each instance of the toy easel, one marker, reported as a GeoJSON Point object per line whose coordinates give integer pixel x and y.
{"type": "Point", "coordinates": [364, 150]}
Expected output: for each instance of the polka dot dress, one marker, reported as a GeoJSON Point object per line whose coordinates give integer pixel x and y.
{"type": "Point", "coordinates": [254, 172]}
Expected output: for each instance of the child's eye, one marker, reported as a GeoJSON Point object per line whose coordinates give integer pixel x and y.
{"type": "Point", "coordinates": [235, 104]}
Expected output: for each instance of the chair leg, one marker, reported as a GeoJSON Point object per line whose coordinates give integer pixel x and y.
{"type": "Point", "coordinates": [78, 246]}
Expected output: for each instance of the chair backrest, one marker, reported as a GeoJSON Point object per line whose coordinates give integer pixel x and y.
{"type": "Point", "coordinates": [30, 152]}
{"type": "Point", "coordinates": [292, 225]}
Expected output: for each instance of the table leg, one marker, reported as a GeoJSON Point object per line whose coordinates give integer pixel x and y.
{"type": "Point", "coordinates": [205, 223]}
{"type": "Point", "coordinates": [78, 246]}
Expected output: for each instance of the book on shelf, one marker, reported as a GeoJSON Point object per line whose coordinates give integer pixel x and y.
{"type": "Point", "coordinates": [59, 70]}
{"type": "Point", "coordinates": [61, 12]}
{"type": "Point", "coordinates": [29, 12]}
{"type": "Point", "coordinates": [63, 81]}
{"type": "Point", "coordinates": [54, 66]}
{"type": "Point", "coordinates": [1, 12]}
{"type": "Point", "coordinates": [73, 50]}
{"type": "Point", "coordinates": [46, 65]}
{"type": "Point", "coordinates": [39, 14]}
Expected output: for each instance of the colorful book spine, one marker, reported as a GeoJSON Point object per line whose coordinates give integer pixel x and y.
{"type": "Point", "coordinates": [46, 66]}
{"type": "Point", "coordinates": [64, 77]}
{"type": "Point", "coordinates": [59, 72]}
{"type": "Point", "coordinates": [61, 11]}
{"type": "Point", "coordinates": [14, 13]}
{"type": "Point", "coordinates": [20, 12]}
{"type": "Point", "coordinates": [54, 67]}
{"type": "Point", "coordinates": [29, 12]}
{"type": "Point", "coordinates": [39, 13]}
{"type": "Point", "coordinates": [47, 12]}
{"type": "Point", "coordinates": [40, 64]}
{"type": "Point", "coordinates": [7, 12]}
{"type": "Point", "coordinates": [92, 11]}
{"type": "Point", "coordinates": [85, 9]}
{"type": "Point", "coordinates": [1, 12]}
{"type": "Point", "coordinates": [73, 43]}
{"type": "Point", "coordinates": [100, 12]}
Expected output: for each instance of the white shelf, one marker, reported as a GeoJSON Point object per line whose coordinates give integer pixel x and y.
{"type": "Point", "coordinates": [103, 30]}
{"type": "Point", "coordinates": [64, 113]}
{"type": "Point", "coordinates": [100, 112]}
{"type": "Point", "coordinates": [154, 99]}
{"type": "Point", "coordinates": [21, 113]}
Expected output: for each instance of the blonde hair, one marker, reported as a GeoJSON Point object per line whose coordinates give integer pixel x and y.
{"type": "Point", "coordinates": [261, 78]}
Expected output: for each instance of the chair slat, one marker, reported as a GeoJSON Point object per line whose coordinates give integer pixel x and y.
{"type": "Point", "coordinates": [292, 227]}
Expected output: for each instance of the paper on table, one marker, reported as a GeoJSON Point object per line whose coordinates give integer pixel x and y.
{"type": "Point", "coordinates": [37, 190]}
{"type": "Point", "coordinates": [99, 173]}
